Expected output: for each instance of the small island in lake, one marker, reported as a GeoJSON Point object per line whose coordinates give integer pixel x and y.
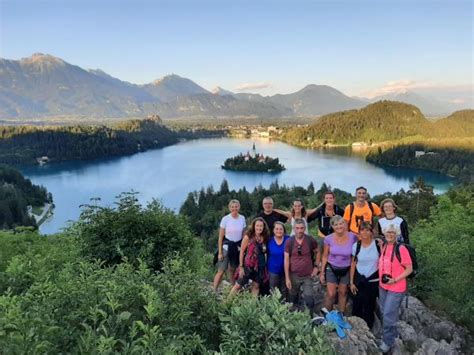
{"type": "Point", "coordinates": [252, 161]}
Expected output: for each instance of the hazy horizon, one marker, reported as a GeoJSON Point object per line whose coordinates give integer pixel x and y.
{"type": "Point", "coordinates": [363, 48]}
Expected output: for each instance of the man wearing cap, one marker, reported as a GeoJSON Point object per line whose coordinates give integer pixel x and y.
{"type": "Point", "coordinates": [360, 210]}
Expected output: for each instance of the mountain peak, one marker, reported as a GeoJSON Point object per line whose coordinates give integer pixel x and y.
{"type": "Point", "coordinates": [40, 58]}
{"type": "Point", "coordinates": [168, 78]}
{"type": "Point", "coordinates": [221, 92]}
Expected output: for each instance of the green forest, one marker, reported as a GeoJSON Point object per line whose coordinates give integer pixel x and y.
{"type": "Point", "coordinates": [239, 163]}
{"type": "Point", "coordinates": [458, 163]}
{"type": "Point", "coordinates": [132, 279]}
{"type": "Point", "coordinates": [383, 121]}
{"type": "Point", "coordinates": [24, 144]}
{"type": "Point", "coordinates": [16, 193]}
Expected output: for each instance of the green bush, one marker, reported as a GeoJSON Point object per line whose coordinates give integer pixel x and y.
{"type": "Point", "coordinates": [96, 309]}
{"type": "Point", "coordinates": [445, 245]}
{"type": "Point", "coordinates": [132, 232]}
{"type": "Point", "coordinates": [266, 326]}
{"type": "Point", "coordinates": [27, 257]}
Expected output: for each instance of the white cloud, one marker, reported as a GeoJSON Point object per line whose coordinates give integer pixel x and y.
{"type": "Point", "coordinates": [457, 101]}
{"type": "Point", "coordinates": [252, 86]}
{"type": "Point", "coordinates": [399, 86]}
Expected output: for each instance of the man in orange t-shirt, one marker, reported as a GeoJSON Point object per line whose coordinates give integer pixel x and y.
{"type": "Point", "coordinates": [360, 210]}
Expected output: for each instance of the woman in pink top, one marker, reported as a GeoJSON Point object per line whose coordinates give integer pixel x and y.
{"type": "Point", "coordinates": [393, 272]}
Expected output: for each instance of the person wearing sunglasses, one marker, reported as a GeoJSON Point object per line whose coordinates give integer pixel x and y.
{"type": "Point", "coordinates": [301, 265]}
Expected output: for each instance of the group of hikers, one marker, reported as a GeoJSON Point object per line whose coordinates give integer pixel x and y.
{"type": "Point", "coordinates": [350, 253]}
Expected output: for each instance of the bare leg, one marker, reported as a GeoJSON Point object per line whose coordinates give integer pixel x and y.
{"type": "Point", "coordinates": [236, 288]}
{"type": "Point", "coordinates": [230, 274]}
{"type": "Point", "coordinates": [255, 289]}
{"type": "Point", "coordinates": [342, 293]}
{"type": "Point", "coordinates": [330, 295]}
{"type": "Point", "coordinates": [218, 279]}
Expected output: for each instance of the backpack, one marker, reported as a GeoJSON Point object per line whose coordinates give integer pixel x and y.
{"type": "Point", "coordinates": [307, 239]}
{"type": "Point", "coordinates": [412, 253]}
{"type": "Point", "coordinates": [359, 245]}
{"type": "Point", "coordinates": [371, 207]}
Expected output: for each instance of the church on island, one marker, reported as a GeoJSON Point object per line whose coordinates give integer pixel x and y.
{"type": "Point", "coordinates": [253, 161]}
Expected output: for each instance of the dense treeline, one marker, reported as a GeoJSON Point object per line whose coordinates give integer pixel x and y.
{"type": "Point", "coordinates": [70, 293]}
{"type": "Point", "coordinates": [24, 144]}
{"type": "Point", "coordinates": [455, 162]}
{"type": "Point", "coordinates": [205, 208]}
{"type": "Point", "coordinates": [16, 193]}
{"type": "Point", "coordinates": [380, 122]}
{"type": "Point", "coordinates": [240, 163]}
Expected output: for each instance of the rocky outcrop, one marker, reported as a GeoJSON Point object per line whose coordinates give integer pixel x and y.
{"type": "Point", "coordinates": [359, 339]}
{"type": "Point", "coordinates": [421, 333]}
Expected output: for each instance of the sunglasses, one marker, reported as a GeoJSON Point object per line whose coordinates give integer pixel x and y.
{"type": "Point", "coordinates": [299, 249]}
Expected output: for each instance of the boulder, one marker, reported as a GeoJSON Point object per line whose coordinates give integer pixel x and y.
{"type": "Point", "coordinates": [359, 339]}
{"type": "Point", "coordinates": [429, 325]}
{"type": "Point", "coordinates": [433, 347]}
{"type": "Point", "coordinates": [410, 338]}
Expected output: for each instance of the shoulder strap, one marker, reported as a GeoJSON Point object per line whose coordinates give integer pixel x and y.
{"type": "Point", "coordinates": [378, 248]}
{"type": "Point", "coordinates": [351, 206]}
{"type": "Point", "coordinates": [292, 243]}
{"type": "Point", "coordinates": [308, 241]}
{"type": "Point", "coordinates": [359, 245]}
{"type": "Point", "coordinates": [397, 252]}
{"type": "Point", "coordinates": [371, 207]}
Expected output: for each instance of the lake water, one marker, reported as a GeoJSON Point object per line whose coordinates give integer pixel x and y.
{"type": "Point", "coordinates": [169, 174]}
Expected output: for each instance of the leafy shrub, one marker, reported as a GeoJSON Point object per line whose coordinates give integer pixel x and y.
{"type": "Point", "coordinates": [112, 309]}
{"type": "Point", "coordinates": [133, 232]}
{"type": "Point", "coordinates": [266, 326]}
{"type": "Point", "coordinates": [445, 245]}
{"type": "Point", "coordinates": [27, 257]}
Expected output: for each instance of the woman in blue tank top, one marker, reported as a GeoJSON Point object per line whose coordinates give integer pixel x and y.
{"type": "Point", "coordinates": [276, 257]}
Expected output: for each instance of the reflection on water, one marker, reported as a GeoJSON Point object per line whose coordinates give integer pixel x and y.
{"type": "Point", "coordinates": [169, 174]}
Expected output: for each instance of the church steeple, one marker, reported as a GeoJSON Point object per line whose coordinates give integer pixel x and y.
{"type": "Point", "coordinates": [254, 151]}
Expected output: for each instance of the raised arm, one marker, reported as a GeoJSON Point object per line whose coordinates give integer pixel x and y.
{"type": "Point", "coordinates": [287, 214]}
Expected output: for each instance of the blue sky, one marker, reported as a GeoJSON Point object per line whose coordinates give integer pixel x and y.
{"type": "Point", "coordinates": [359, 47]}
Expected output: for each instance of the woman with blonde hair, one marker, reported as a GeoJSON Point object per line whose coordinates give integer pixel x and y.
{"type": "Point", "coordinates": [231, 230]}
{"type": "Point", "coordinates": [336, 262]}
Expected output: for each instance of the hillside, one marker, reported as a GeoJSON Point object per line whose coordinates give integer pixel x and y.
{"type": "Point", "coordinates": [25, 144]}
{"type": "Point", "coordinates": [16, 193]}
{"type": "Point", "coordinates": [382, 121]}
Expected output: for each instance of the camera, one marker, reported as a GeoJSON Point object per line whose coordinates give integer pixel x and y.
{"type": "Point", "coordinates": [385, 278]}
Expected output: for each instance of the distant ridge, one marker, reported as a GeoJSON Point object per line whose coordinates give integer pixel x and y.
{"type": "Point", "coordinates": [44, 86]}
{"type": "Point", "coordinates": [380, 122]}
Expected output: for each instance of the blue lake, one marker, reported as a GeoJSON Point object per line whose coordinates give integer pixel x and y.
{"type": "Point", "coordinates": [169, 174]}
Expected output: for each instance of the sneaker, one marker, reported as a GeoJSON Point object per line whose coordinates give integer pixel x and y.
{"type": "Point", "coordinates": [384, 348]}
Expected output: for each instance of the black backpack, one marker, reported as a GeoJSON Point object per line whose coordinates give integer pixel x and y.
{"type": "Point", "coordinates": [371, 207]}
{"type": "Point", "coordinates": [412, 253]}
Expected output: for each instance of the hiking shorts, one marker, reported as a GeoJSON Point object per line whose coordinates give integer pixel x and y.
{"type": "Point", "coordinates": [227, 261]}
{"type": "Point", "coordinates": [332, 278]}
{"type": "Point", "coordinates": [250, 274]}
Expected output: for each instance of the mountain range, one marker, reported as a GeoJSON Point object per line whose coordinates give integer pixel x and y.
{"type": "Point", "coordinates": [46, 86]}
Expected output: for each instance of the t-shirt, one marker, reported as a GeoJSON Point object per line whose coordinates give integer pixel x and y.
{"type": "Point", "coordinates": [300, 262]}
{"type": "Point", "coordinates": [395, 268]}
{"type": "Point", "coordinates": [323, 220]}
{"type": "Point", "coordinates": [360, 214]}
{"type": "Point", "coordinates": [272, 218]}
{"type": "Point", "coordinates": [367, 259]}
{"type": "Point", "coordinates": [276, 256]}
{"type": "Point", "coordinates": [400, 224]}
{"type": "Point", "coordinates": [340, 255]}
{"type": "Point", "coordinates": [234, 227]}
{"type": "Point", "coordinates": [293, 225]}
